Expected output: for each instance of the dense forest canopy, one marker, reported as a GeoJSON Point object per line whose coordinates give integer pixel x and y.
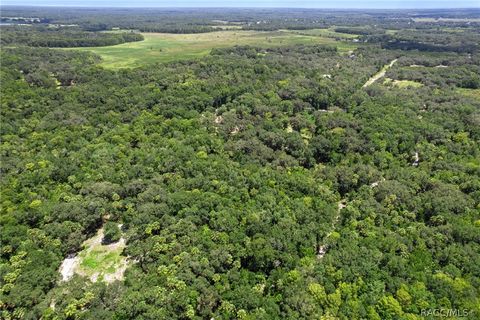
{"type": "Point", "coordinates": [287, 182]}
{"type": "Point", "coordinates": [61, 37]}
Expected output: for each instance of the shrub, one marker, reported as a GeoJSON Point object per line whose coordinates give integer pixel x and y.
{"type": "Point", "coordinates": [111, 233]}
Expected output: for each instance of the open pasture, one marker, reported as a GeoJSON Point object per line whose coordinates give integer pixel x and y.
{"type": "Point", "coordinates": [166, 47]}
{"type": "Point", "coordinates": [328, 33]}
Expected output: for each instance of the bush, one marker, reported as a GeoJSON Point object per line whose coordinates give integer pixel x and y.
{"type": "Point", "coordinates": [111, 233]}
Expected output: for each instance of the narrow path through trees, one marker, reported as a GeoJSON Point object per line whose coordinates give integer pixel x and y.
{"type": "Point", "coordinates": [379, 74]}
{"type": "Point", "coordinates": [323, 247]}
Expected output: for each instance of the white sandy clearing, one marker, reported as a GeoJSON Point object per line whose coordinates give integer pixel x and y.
{"type": "Point", "coordinates": [73, 264]}
{"type": "Point", "coordinates": [68, 267]}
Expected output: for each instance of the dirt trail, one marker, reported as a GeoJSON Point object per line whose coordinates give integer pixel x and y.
{"type": "Point", "coordinates": [379, 74]}
{"type": "Point", "coordinates": [322, 249]}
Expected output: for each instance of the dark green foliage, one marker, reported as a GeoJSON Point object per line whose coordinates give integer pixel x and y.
{"type": "Point", "coordinates": [63, 37]}
{"type": "Point", "coordinates": [433, 40]}
{"type": "Point", "coordinates": [111, 232]}
{"type": "Point", "coordinates": [227, 172]}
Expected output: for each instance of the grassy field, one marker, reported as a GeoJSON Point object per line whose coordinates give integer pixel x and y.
{"type": "Point", "coordinates": [166, 47]}
{"type": "Point", "coordinates": [402, 83]}
{"type": "Point", "coordinates": [227, 27]}
{"type": "Point", "coordinates": [102, 262]}
{"type": "Point", "coordinates": [473, 93]}
{"type": "Point", "coordinates": [391, 31]}
{"type": "Point", "coordinates": [329, 33]}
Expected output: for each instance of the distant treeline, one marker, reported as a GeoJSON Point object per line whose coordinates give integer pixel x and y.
{"type": "Point", "coordinates": [252, 52]}
{"type": "Point", "coordinates": [414, 45]}
{"type": "Point", "coordinates": [431, 40]}
{"type": "Point", "coordinates": [360, 31]}
{"type": "Point", "coordinates": [197, 20]}
{"type": "Point", "coordinates": [63, 37]}
{"type": "Point", "coordinates": [142, 26]}
{"type": "Point", "coordinates": [186, 28]}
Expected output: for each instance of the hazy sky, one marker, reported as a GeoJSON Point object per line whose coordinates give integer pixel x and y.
{"type": "Point", "coordinates": [256, 3]}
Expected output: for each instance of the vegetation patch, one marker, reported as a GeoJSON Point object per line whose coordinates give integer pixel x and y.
{"type": "Point", "coordinates": [258, 182]}
{"type": "Point", "coordinates": [166, 47]}
{"type": "Point", "coordinates": [429, 19]}
{"type": "Point", "coordinates": [329, 33]}
{"type": "Point", "coordinates": [64, 37]}
{"type": "Point", "coordinates": [473, 93]}
{"type": "Point", "coordinates": [402, 83]}
{"type": "Point", "coordinates": [99, 261]}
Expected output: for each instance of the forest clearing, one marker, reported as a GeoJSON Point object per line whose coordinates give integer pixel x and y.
{"type": "Point", "coordinates": [166, 47]}
{"type": "Point", "coordinates": [97, 261]}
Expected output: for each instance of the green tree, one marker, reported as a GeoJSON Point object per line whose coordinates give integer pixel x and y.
{"type": "Point", "coordinates": [111, 232]}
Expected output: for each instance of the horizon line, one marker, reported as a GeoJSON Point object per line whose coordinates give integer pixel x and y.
{"type": "Point", "coordinates": [232, 7]}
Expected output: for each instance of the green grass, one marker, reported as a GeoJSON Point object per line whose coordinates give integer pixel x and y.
{"type": "Point", "coordinates": [391, 32]}
{"type": "Point", "coordinates": [402, 84]}
{"type": "Point", "coordinates": [405, 83]}
{"type": "Point", "coordinates": [100, 260]}
{"type": "Point", "coordinates": [90, 262]}
{"type": "Point", "coordinates": [166, 47]}
{"type": "Point", "coordinates": [329, 33]}
{"type": "Point", "coordinates": [227, 27]}
{"type": "Point", "coordinates": [472, 93]}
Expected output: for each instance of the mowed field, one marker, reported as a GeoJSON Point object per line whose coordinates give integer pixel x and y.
{"type": "Point", "coordinates": [166, 47]}
{"type": "Point", "coordinates": [329, 33]}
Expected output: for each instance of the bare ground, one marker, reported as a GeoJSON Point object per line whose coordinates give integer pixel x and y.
{"type": "Point", "coordinates": [379, 74]}
{"type": "Point", "coordinates": [72, 264]}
